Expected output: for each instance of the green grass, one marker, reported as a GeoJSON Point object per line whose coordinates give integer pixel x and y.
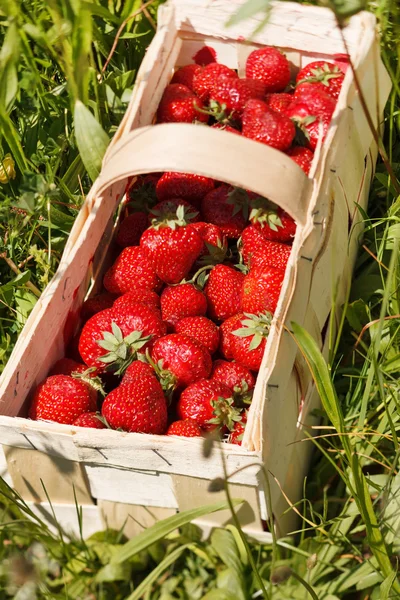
{"type": "Point", "coordinates": [348, 543]}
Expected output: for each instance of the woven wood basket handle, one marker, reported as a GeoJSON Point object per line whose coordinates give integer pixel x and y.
{"type": "Point", "coordinates": [212, 153]}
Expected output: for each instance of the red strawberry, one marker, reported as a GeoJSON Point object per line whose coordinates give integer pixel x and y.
{"type": "Point", "coordinates": [215, 244]}
{"type": "Point", "coordinates": [250, 241]}
{"type": "Point", "coordinates": [204, 80]}
{"type": "Point", "coordinates": [270, 66]}
{"type": "Point", "coordinates": [226, 337]}
{"type": "Point", "coordinates": [136, 370]}
{"type": "Point", "coordinates": [236, 435]}
{"type": "Point", "coordinates": [131, 229]}
{"type": "Point", "coordinates": [272, 222]}
{"type": "Point", "coordinates": [191, 188]}
{"type": "Point", "coordinates": [141, 295]}
{"type": "Point", "coordinates": [327, 75]}
{"type": "Point", "coordinates": [79, 371]}
{"type": "Point", "coordinates": [312, 111]}
{"type": "Point", "coordinates": [67, 366]}
{"type": "Point", "coordinates": [228, 208]}
{"type": "Point", "coordinates": [185, 75]}
{"type": "Point", "coordinates": [270, 254]}
{"type": "Point", "coordinates": [209, 404]}
{"type": "Point", "coordinates": [95, 304]}
{"type": "Point", "coordinates": [261, 289]}
{"type": "Point", "coordinates": [244, 337]}
{"type": "Point", "coordinates": [186, 359]}
{"type": "Point", "coordinates": [166, 210]}
{"type": "Point", "coordinates": [184, 428]}
{"type": "Point", "coordinates": [201, 329]}
{"type": "Point", "coordinates": [184, 300]}
{"type": "Point", "coordinates": [229, 96]}
{"type": "Point", "coordinates": [61, 399]}
{"type": "Point", "coordinates": [172, 248]}
{"type": "Point", "coordinates": [302, 156]}
{"type": "Point", "coordinates": [180, 105]}
{"type": "Point", "coordinates": [131, 270]}
{"type": "Point", "coordinates": [264, 125]}
{"type": "Point", "coordinates": [138, 406]}
{"type": "Point", "coordinates": [234, 375]}
{"type": "Point", "coordinates": [223, 292]}
{"type": "Point", "coordinates": [278, 102]}
{"type": "Point", "coordinates": [114, 336]}
{"type": "Point", "coordinates": [89, 419]}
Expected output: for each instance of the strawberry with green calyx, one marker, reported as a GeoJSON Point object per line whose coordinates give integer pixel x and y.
{"type": "Point", "coordinates": [131, 229]}
{"type": "Point", "coordinates": [165, 211]}
{"type": "Point", "coordinates": [90, 419]}
{"type": "Point", "coordinates": [236, 377]}
{"type": "Point", "coordinates": [141, 295]}
{"type": "Point", "coordinates": [62, 399]}
{"type": "Point", "coordinates": [187, 186]}
{"type": "Point", "coordinates": [228, 208]}
{"type": "Point", "coordinates": [185, 428]}
{"type": "Point", "coordinates": [179, 104]}
{"type": "Point", "coordinates": [215, 244]}
{"type": "Point", "coordinates": [229, 97]}
{"type": "Point", "coordinates": [132, 269]}
{"type": "Point", "coordinates": [112, 339]}
{"type": "Point", "coordinates": [184, 357]}
{"type": "Point", "coordinates": [204, 80]}
{"type": "Point", "coordinates": [226, 337]}
{"type": "Point", "coordinates": [271, 221]}
{"type": "Point", "coordinates": [302, 156]}
{"type": "Point", "coordinates": [264, 125]}
{"type": "Point", "coordinates": [312, 111]}
{"type": "Point", "coordinates": [138, 406]}
{"type": "Point", "coordinates": [261, 289]}
{"type": "Point", "coordinates": [172, 248]}
{"type": "Point", "coordinates": [247, 343]}
{"type": "Point", "coordinates": [185, 75]}
{"type": "Point", "coordinates": [209, 404]}
{"type": "Point", "coordinates": [270, 66]}
{"type": "Point", "coordinates": [328, 76]}
{"type": "Point", "coordinates": [182, 300]}
{"type": "Point", "coordinates": [223, 291]}
{"type": "Point", "coordinates": [201, 329]}
{"type": "Point", "coordinates": [237, 433]}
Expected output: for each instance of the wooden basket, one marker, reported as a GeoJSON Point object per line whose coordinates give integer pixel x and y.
{"type": "Point", "coordinates": [147, 477]}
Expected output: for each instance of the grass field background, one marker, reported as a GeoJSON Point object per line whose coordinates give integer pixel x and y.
{"type": "Point", "coordinates": [67, 69]}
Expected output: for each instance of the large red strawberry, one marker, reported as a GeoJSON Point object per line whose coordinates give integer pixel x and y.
{"type": "Point", "coordinates": [302, 156]}
{"type": "Point", "coordinates": [235, 376]}
{"type": "Point", "coordinates": [312, 112]}
{"type": "Point", "coordinates": [186, 359]}
{"type": "Point", "coordinates": [236, 435]}
{"type": "Point", "coordinates": [166, 210]}
{"type": "Point", "coordinates": [131, 229]}
{"type": "Point", "coordinates": [131, 270]}
{"type": "Point", "coordinates": [270, 66]}
{"type": "Point", "coordinates": [264, 125]}
{"type": "Point", "coordinates": [215, 244]}
{"type": "Point", "coordinates": [136, 370]}
{"type": "Point", "coordinates": [272, 222]}
{"type": "Point", "coordinates": [89, 419]}
{"type": "Point", "coordinates": [328, 76]}
{"type": "Point", "coordinates": [187, 186]}
{"type": "Point", "coordinates": [201, 329]}
{"type": "Point", "coordinates": [96, 303]}
{"type": "Point", "coordinates": [138, 406]}
{"type": "Point", "coordinates": [223, 292]}
{"type": "Point", "coordinates": [184, 428]}
{"type": "Point", "coordinates": [180, 105]}
{"type": "Point", "coordinates": [243, 338]}
{"type": "Point", "coordinates": [270, 254]}
{"type": "Point", "coordinates": [250, 240]}
{"type": "Point", "coordinates": [229, 96]}
{"type": "Point", "coordinates": [114, 336]}
{"type": "Point", "coordinates": [209, 404]}
{"type": "Point", "coordinates": [185, 75]}
{"type": "Point", "coordinates": [142, 295]}
{"type": "Point", "coordinates": [204, 80]}
{"type": "Point", "coordinates": [278, 102]}
{"type": "Point", "coordinates": [172, 248]}
{"type": "Point", "coordinates": [228, 208]}
{"type": "Point", "coordinates": [184, 300]}
{"type": "Point", "coordinates": [62, 399]}
{"type": "Point", "coordinates": [261, 289]}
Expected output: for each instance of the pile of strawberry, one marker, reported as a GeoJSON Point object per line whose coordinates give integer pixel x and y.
{"type": "Point", "coordinates": [174, 343]}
